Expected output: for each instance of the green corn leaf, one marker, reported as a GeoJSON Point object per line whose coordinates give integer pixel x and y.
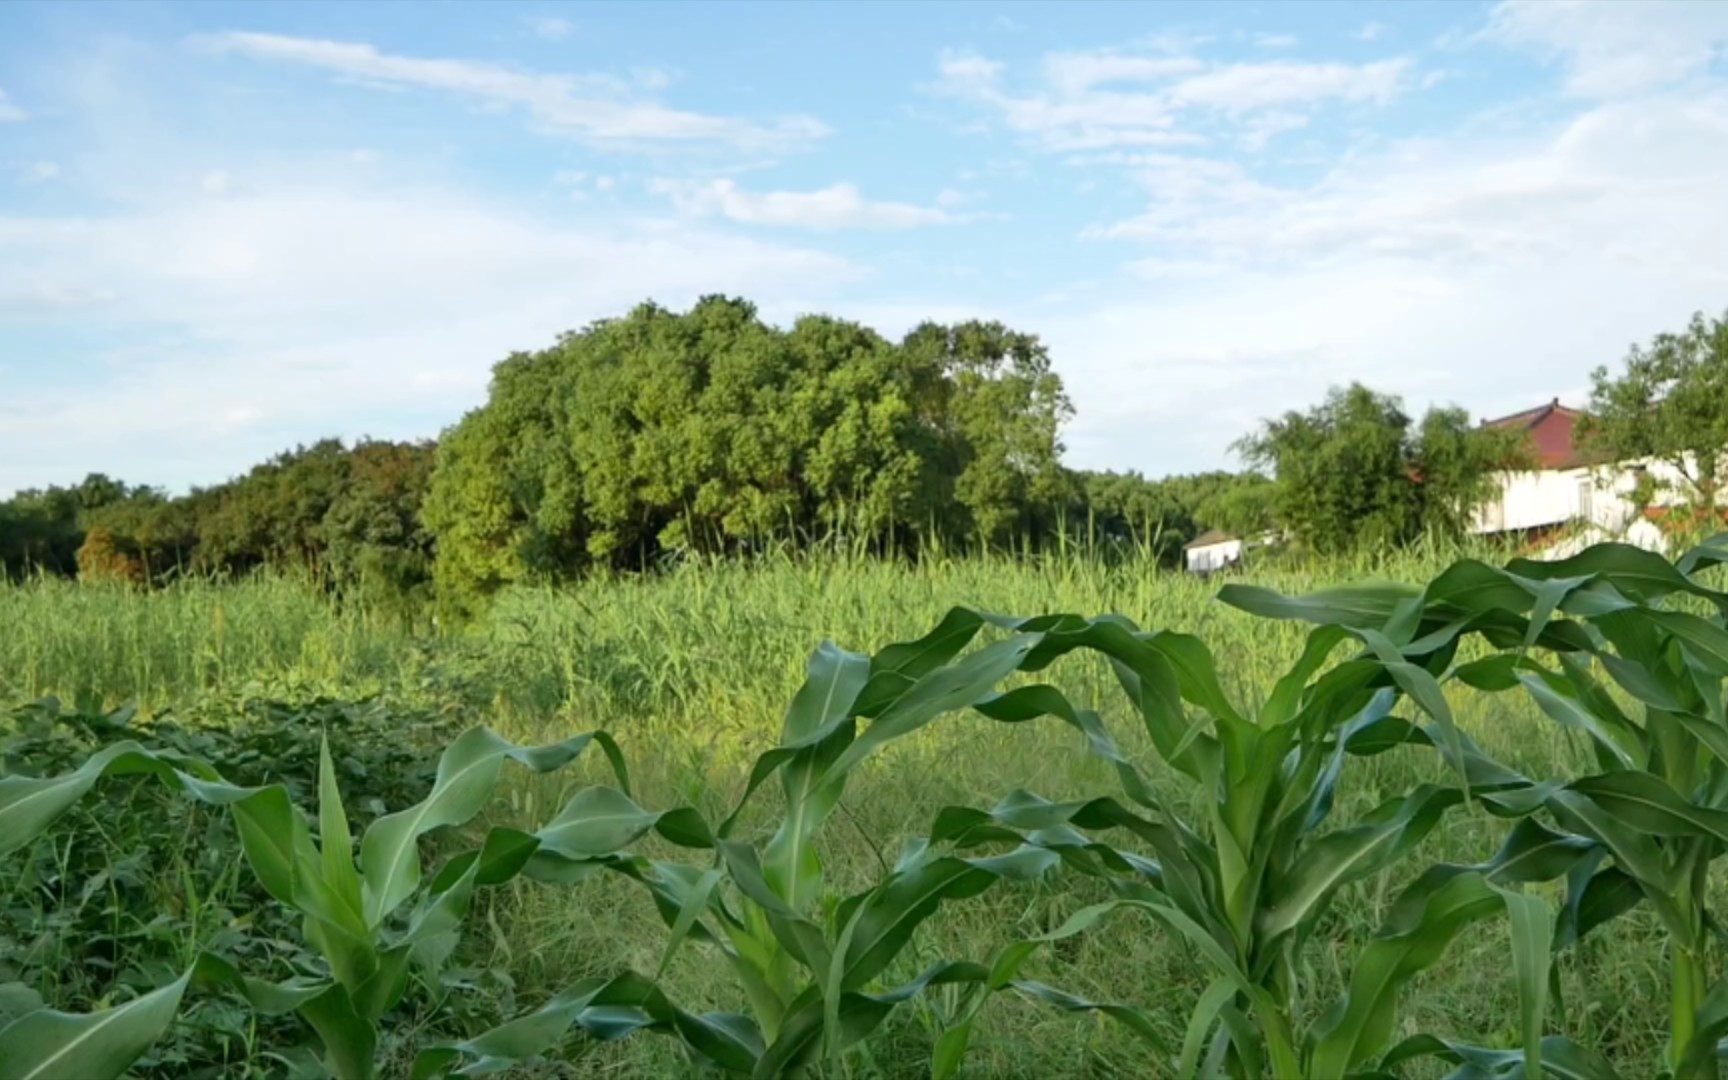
{"type": "Point", "coordinates": [1498, 672]}
{"type": "Point", "coordinates": [28, 805]}
{"type": "Point", "coordinates": [822, 706]}
{"type": "Point", "coordinates": [1705, 642]}
{"type": "Point", "coordinates": [950, 1051]}
{"type": "Point", "coordinates": [1532, 932]}
{"type": "Point", "coordinates": [1534, 852]}
{"type": "Point", "coordinates": [1286, 697]}
{"type": "Point", "coordinates": [1712, 552]}
{"type": "Point", "coordinates": [961, 685]}
{"type": "Point", "coordinates": [601, 821]}
{"type": "Point", "coordinates": [339, 877]}
{"type": "Point", "coordinates": [1425, 918]}
{"type": "Point", "coordinates": [606, 1009]}
{"type": "Point", "coordinates": [802, 939]}
{"type": "Point", "coordinates": [1351, 854]}
{"type": "Point", "coordinates": [887, 917]}
{"type": "Point", "coordinates": [467, 771]}
{"type": "Point", "coordinates": [1354, 606]}
{"type": "Point", "coordinates": [350, 1040]}
{"type": "Point", "coordinates": [269, 999]}
{"type": "Point", "coordinates": [1561, 703]}
{"type": "Point", "coordinates": [689, 912]}
{"type": "Point", "coordinates": [1205, 1014]}
{"type": "Point", "coordinates": [1642, 575]}
{"type": "Point", "coordinates": [1135, 1020]}
{"type": "Point", "coordinates": [1647, 803]}
{"type": "Point", "coordinates": [915, 659]}
{"type": "Point", "coordinates": [1562, 1059]}
{"type": "Point", "coordinates": [47, 1044]}
{"type": "Point", "coordinates": [805, 1027]}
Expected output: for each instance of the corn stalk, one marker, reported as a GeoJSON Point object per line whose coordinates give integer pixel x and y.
{"type": "Point", "coordinates": [1647, 826]}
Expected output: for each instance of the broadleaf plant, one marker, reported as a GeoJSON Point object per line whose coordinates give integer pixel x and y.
{"type": "Point", "coordinates": [1645, 829]}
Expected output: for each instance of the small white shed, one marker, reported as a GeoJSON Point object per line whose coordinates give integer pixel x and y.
{"type": "Point", "coordinates": [1211, 551]}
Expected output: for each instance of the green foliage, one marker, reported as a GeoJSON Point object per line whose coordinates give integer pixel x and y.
{"type": "Point", "coordinates": [1160, 516]}
{"type": "Point", "coordinates": [711, 431]}
{"type": "Point", "coordinates": [1351, 472]}
{"type": "Point", "coordinates": [40, 529]}
{"type": "Point", "coordinates": [1669, 404]}
{"type": "Point", "coordinates": [348, 516]}
{"type": "Point", "coordinates": [1645, 830]}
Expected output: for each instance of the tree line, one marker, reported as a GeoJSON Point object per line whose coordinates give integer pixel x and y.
{"type": "Point", "coordinates": [709, 431]}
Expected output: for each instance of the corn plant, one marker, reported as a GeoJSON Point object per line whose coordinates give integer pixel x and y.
{"type": "Point", "coordinates": [1250, 881]}
{"type": "Point", "coordinates": [1643, 830]}
{"type": "Point", "coordinates": [807, 960]}
{"type": "Point", "coordinates": [372, 922]}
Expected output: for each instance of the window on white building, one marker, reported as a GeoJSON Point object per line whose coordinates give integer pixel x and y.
{"type": "Point", "coordinates": [1585, 502]}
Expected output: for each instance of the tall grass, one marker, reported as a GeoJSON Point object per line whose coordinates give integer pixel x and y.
{"type": "Point", "coordinates": [692, 670]}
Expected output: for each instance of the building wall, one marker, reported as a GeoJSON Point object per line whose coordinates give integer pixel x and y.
{"type": "Point", "coordinates": [1601, 497]}
{"type": "Point", "coordinates": [1204, 560]}
{"type": "Point", "coordinates": [1532, 500]}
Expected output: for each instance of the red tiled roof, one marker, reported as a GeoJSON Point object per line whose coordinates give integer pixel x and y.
{"type": "Point", "coordinates": [1552, 440]}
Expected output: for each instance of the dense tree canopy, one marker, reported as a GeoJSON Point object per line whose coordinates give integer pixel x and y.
{"type": "Point", "coordinates": [348, 515]}
{"type": "Point", "coordinates": [1354, 471]}
{"type": "Point", "coordinates": [1670, 404]}
{"type": "Point", "coordinates": [710, 430]}
{"type": "Point", "coordinates": [1160, 516]}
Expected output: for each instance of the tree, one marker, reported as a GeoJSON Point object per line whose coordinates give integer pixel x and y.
{"type": "Point", "coordinates": [1160, 516]}
{"type": "Point", "coordinates": [1669, 404]}
{"type": "Point", "coordinates": [1353, 472]}
{"type": "Point", "coordinates": [712, 431]}
{"type": "Point", "coordinates": [41, 529]}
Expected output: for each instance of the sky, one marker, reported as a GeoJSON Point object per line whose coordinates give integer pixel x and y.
{"type": "Point", "coordinates": [226, 229]}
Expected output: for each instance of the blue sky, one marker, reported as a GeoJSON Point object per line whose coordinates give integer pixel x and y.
{"type": "Point", "coordinates": [229, 228]}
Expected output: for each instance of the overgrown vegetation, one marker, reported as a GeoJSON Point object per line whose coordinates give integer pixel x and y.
{"type": "Point", "coordinates": [1280, 846]}
{"type": "Point", "coordinates": [662, 436]}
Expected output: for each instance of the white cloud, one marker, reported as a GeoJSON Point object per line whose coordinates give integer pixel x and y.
{"type": "Point", "coordinates": [1370, 31]}
{"type": "Point", "coordinates": [551, 27]}
{"type": "Point", "coordinates": [1491, 271]}
{"type": "Point", "coordinates": [840, 206]}
{"type": "Point", "coordinates": [282, 313]}
{"type": "Point", "coordinates": [1072, 73]}
{"type": "Point", "coordinates": [1611, 49]}
{"type": "Point", "coordinates": [1238, 88]}
{"type": "Point", "coordinates": [10, 112]}
{"type": "Point", "coordinates": [596, 107]}
{"type": "Point", "coordinates": [1111, 99]}
{"type": "Point", "coordinates": [215, 181]}
{"type": "Point", "coordinates": [38, 172]}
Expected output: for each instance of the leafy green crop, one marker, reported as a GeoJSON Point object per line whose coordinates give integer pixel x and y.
{"type": "Point", "coordinates": [1647, 827]}
{"type": "Point", "coordinates": [1241, 871]}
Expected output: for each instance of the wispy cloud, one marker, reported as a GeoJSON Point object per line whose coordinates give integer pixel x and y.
{"type": "Point", "coordinates": [840, 206]}
{"type": "Point", "coordinates": [38, 172]}
{"type": "Point", "coordinates": [1611, 49]}
{"type": "Point", "coordinates": [9, 111]}
{"type": "Point", "coordinates": [551, 27]}
{"type": "Point", "coordinates": [602, 108]}
{"type": "Point", "coordinates": [1112, 99]}
{"type": "Point", "coordinates": [1370, 31]}
{"type": "Point", "coordinates": [283, 310]}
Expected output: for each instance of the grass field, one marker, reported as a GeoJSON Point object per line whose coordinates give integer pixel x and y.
{"type": "Point", "coordinates": [692, 670]}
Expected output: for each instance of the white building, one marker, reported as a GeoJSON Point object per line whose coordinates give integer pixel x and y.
{"type": "Point", "coordinates": [1211, 551]}
{"type": "Point", "coordinates": [1571, 498]}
